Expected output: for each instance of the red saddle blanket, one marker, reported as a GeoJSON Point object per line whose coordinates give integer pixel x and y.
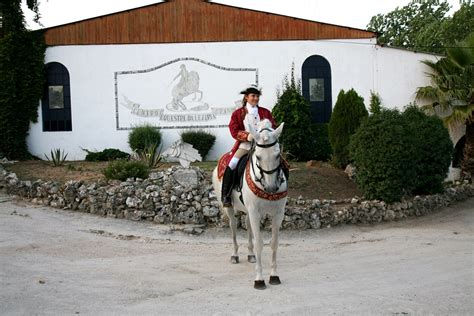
{"type": "Point", "coordinates": [222, 164]}
{"type": "Point", "coordinates": [225, 159]}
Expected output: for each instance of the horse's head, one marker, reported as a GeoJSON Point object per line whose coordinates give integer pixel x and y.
{"type": "Point", "coordinates": [266, 156]}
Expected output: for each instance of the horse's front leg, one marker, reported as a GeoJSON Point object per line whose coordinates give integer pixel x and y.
{"type": "Point", "coordinates": [255, 224]}
{"type": "Point", "coordinates": [276, 224]}
{"type": "Point", "coordinates": [233, 230]}
{"type": "Point", "coordinates": [251, 255]}
{"type": "Point", "coordinates": [182, 105]}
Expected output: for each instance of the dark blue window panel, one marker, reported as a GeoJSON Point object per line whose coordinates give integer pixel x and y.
{"type": "Point", "coordinates": [57, 119]}
{"type": "Point", "coordinates": [317, 67]}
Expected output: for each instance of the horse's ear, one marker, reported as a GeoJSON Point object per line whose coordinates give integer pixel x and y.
{"type": "Point", "coordinates": [278, 131]}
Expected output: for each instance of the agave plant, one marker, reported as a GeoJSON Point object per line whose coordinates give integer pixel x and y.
{"type": "Point", "coordinates": [452, 91]}
{"type": "Point", "coordinates": [151, 155]}
{"type": "Point", "coordinates": [57, 157]}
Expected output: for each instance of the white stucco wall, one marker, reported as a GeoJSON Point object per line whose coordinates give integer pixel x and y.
{"type": "Point", "coordinates": [360, 64]}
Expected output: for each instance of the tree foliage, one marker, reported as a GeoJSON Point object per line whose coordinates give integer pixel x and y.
{"type": "Point", "coordinates": [21, 78]}
{"type": "Point", "coordinates": [432, 152]}
{"type": "Point", "coordinates": [460, 25]}
{"type": "Point", "coordinates": [399, 154]}
{"type": "Point", "coordinates": [452, 84]}
{"type": "Point", "coordinates": [321, 148]}
{"type": "Point", "coordinates": [424, 25]}
{"type": "Point", "coordinates": [293, 109]}
{"type": "Point", "coordinates": [379, 152]}
{"type": "Point", "coordinates": [452, 92]}
{"type": "Point", "coordinates": [348, 113]}
{"type": "Point", "coordinates": [375, 103]}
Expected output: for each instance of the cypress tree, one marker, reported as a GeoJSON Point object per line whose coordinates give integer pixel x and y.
{"type": "Point", "coordinates": [347, 115]}
{"type": "Point", "coordinates": [21, 77]}
{"type": "Point", "coordinates": [293, 109]}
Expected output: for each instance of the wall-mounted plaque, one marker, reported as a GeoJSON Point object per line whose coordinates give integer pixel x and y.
{"type": "Point", "coordinates": [56, 97]}
{"type": "Point", "coordinates": [181, 93]}
{"type": "Point", "coordinates": [316, 89]}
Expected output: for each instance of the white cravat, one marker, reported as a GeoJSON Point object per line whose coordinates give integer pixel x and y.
{"type": "Point", "coordinates": [252, 117]}
{"type": "Point", "coordinates": [252, 109]}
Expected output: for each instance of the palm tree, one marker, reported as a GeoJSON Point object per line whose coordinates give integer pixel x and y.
{"type": "Point", "coordinates": [452, 92]}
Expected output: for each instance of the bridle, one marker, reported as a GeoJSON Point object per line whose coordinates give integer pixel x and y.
{"type": "Point", "coordinates": [280, 178]}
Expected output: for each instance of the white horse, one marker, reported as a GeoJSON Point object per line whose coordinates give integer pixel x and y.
{"type": "Point", "coordinates": [264, 190]}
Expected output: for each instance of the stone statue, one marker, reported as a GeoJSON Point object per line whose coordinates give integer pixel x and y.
{"type": "Point", "coordinates": [184, 152]}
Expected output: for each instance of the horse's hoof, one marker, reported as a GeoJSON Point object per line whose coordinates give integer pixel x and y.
{"type": "Point", "coordinates": [234, 259]}
{"type": "Point", "coordinates": [259, 285]}
{"type": "Point", "coordinates": [274, 280]}
{"type": "Point", "coordinates": [251, 259]}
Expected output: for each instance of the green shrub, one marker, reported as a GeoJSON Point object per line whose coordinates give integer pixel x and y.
{"type": "Point", "coordinates": [375, 103]}
{"type": "Point", "coordinates": [382, 151]}
{"type": "Point", "coordinates": [293, 109]}
{"type": "Point", "coordinates": [201, 140]}
{"type": "Point", "coordinates": [321, 146]}
{"type": "Point", "coordinates": [399, 154]}
{"type": "Point", "coordinates": [433, 150]}
{"type": "Point", "coordinates": [348, 113]}
{"type": "Point", "coordinates": [106, 155]}
{"type": "Point", "coordinates": [123, 169]}
{"type": "Point", "coordinates": [144, 135]}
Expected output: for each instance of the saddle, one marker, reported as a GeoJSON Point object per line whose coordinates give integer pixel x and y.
{"type": "Point", "coordinates": [238, 172]}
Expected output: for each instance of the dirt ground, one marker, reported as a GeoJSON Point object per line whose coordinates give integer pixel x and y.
{"type": "Point", "coordinates": [61, 262]}
{"type": "Point", "coordinates": [320, 181]}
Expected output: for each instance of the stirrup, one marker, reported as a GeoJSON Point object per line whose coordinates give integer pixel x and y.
{"type": "Point", "coordinates": [227, 201]}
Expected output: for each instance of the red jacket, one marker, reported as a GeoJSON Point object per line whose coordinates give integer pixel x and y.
{"type": "Point", "coordinates": [236, 125]}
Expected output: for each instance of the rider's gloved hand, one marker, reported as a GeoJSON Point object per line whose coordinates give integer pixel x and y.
{"type": "Point", "coordinates": [249, 137]}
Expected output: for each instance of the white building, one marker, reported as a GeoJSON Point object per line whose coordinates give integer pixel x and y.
{"type": "Point", "coordinates": [180, 64]}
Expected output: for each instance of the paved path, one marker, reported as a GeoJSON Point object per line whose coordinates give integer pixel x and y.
{"type": "Point", "coordinates": [62, 262]}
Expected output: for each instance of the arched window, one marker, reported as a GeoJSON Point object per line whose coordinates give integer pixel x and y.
{"type": "Point", "coordinates": [316, 85]}
{"type": "Point", "coordinates": [56, 101]}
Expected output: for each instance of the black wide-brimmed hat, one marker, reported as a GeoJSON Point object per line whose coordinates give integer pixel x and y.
{"type": "Point", "coordinates": [253, 88]}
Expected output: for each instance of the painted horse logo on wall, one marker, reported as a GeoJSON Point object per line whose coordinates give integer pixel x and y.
{"type": "Point", "coordinates": [188, 85]}
{"type": "Point", "coordinates": [185, 92]}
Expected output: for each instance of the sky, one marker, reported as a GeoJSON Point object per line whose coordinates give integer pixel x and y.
{"type": "Point", "coordinates": [342, 12]}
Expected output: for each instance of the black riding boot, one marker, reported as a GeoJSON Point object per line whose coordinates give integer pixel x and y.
{"type": "Point", "coordinates": [227, 184]}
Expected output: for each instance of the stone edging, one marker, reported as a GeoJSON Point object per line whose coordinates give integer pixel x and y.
{"type": "Point", "coordinates": [185, 196]}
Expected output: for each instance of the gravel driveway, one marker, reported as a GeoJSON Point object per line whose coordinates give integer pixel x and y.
{"type": "Point", "coordinates": [63, 262]}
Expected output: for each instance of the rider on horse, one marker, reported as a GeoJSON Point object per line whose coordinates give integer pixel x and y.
{"type": "Point", "coordinates": [245, 117]}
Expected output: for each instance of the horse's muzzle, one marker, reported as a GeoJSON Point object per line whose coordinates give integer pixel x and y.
{"type": "Point", "coordinates": [271, 188]}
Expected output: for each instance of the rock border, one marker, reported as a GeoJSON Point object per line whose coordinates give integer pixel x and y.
{"type": "Point", "coordinates": [166, 198]}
